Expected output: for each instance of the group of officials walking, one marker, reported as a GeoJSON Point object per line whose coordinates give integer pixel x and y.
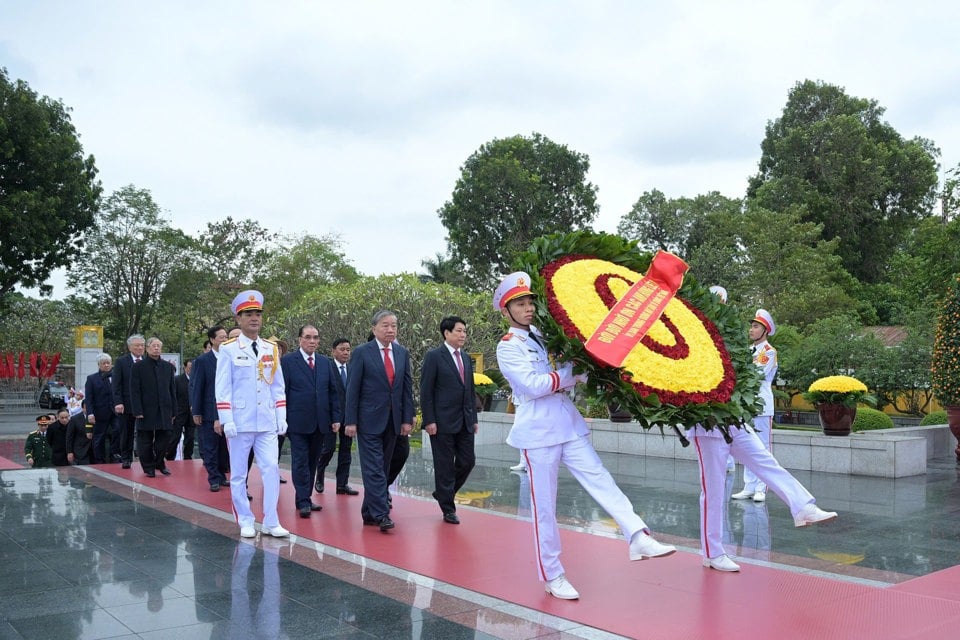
{"type": "Point", "coordinates": [245, 396]}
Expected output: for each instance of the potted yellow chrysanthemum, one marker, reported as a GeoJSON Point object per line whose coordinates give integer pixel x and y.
{"type": "Point", "coordinates": [485, 387]}
{"type": "Point", "coordinates": [836, 399]}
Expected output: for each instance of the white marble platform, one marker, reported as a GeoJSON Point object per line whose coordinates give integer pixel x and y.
{"type": "Point", "coordinates": [891, 453]}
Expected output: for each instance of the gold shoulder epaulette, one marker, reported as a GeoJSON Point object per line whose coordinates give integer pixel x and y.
{"type": "Point", "coordinates": [507, 337]}
{"type": "Point", "coordinates": [228, 341]}
{"type": "Point", "coordinates": [270, 341]}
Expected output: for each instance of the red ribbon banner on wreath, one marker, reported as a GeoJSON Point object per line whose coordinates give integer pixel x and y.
{"type": "Point", "coordinates": [632, 316]}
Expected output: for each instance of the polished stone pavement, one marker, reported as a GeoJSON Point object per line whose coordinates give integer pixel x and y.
{"type": "Point", "coordinates": [82, 557]}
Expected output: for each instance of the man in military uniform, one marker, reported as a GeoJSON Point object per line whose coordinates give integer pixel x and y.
{"type": "Point", "coordinates": [37, 449]}
{"type": "Point", "coordinates": [253, 411]}
{"type": "Point", "coordinates": [549, 430]}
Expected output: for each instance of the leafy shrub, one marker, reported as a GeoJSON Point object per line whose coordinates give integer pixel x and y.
{"type": "Point", "coordinates": [934, 417]}
{"type": "Point", "coordinates": [869, 419]}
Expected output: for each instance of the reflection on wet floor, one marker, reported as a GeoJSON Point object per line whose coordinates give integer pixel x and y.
{"type": "Point", "coordinates": [80, 561]}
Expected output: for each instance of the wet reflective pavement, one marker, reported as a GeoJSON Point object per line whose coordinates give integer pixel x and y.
{"type": "Point", "coordinates": [83, 558]}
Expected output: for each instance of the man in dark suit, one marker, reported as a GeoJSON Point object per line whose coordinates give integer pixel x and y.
{"type": "Point", "coordinates": [203, 400]}
{"type": "Point", "coordinates": [340, 356]}
{"type": "Point", "coordinates": [313, 411]}
{"type": "Point", "coordinates": [449, 407]}
{"type": "Point", "coordinates": [379, 409]}
{"type": "Point", "coordinates": [122, 372]}
{"type": "Point", "coordinates": [153, 397]}
{"type": "Point", "coordinates": [183, 419]}
{"type": "Point", "coordinates": [98, 408]}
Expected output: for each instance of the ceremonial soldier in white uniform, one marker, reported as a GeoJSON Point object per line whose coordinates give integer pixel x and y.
{"type": "Point", "coordinates": [748, 449]}
{"type": "Point", "coordinates": [765, 358]}
{"type": "Point", "coordinates": [253, 411]}
{"type": "Point", "coordinates": [549, 430]}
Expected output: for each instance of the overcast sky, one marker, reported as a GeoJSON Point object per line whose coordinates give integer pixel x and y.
{"type": "Point", "coordinates": [355, 117]}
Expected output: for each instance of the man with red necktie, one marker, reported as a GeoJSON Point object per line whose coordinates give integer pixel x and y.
{"type": "Point", "coordinates": [379, 409]}
{"type": "Point", "coordinates": [313, 411]}
{"type": "Point", "coordinates": [448, 402]}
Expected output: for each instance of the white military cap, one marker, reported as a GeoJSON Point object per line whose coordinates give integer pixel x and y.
{"type": "Point", "coordinates": [515, 285]}
{"type": "Point", "coordinates": [763, 317]}
{"type": "Point", "coordinates": [247, 300]}
{"type": "Point", "coordinates": [720, 292]}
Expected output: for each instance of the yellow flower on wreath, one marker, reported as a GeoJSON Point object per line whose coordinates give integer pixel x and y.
{"type": "Point", "coordinates": [702, 371]}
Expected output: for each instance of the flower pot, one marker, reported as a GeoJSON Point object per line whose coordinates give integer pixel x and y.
{"type": "Point", "coordinates": [835, 418]}
{"type": "Point", "coordinates": [953, 421]}
{"type": "Point", "coordinates": [619, 415]}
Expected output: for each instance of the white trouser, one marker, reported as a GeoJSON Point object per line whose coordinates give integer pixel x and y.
{"type": "Point", "coordinates": [747, 449]}
{"type": "Point", "coordinates": [543, 465]}
{"type": "Point", "coordinates": [762, 425]}
{"type": "Point", "coordinates": [265, 452]}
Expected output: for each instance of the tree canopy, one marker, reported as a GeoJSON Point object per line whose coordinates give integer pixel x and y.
{"type": "Point", "coordinates": [131, 253]}
{"type": "Point", "coordinates": [850, 171]}
{"type": "Point", "coordinates": [49, 193]}
{"type": "Point", "coordinates": [511, 191]}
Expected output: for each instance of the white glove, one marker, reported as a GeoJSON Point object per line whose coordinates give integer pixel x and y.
{"type": "Point", "coordinates": [281, 413]}
{"type": "Point", "coordinates": [230, 430]}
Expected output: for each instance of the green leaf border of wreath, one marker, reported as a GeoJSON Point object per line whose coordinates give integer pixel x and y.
{"type": "Point", "coordinates": [606, 383]}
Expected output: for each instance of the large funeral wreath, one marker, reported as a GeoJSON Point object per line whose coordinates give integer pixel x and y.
{"type": "Point", "coordinates": [694, 365]}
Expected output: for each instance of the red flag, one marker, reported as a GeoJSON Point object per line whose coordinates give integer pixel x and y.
{"type": "Point", "coordinates": [43, 365]}
{"type": "Point", "coordinates": [3, 366]}
{"type": "Point", "coordinates": [33, 364]}
{"type": "Point", "coordinates": [54, 362]}
{"type": "Point", "coordinates": [11, 367]}
{"type": "Point", "coordinates": [20, 371]}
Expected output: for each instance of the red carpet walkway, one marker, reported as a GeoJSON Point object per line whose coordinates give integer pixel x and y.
{"type": "Point", "coordinates": [669, 598]}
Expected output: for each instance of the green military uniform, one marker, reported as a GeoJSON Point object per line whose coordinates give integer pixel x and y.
{"type": "Point", "coordinates": [38, 450]}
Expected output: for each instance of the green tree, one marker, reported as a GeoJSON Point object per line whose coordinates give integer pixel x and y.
{"type": "Point", "coordinates": [441, 269]}
{"type": "Point", "coordinates": [48, 190]}
{"type": "Point", "coordinates": [346, 309]}
{"type": "Point", "coordinates": [511, 191]}
{"type": "Point", "coordinates": [678, 225]}
{"type": "Point", "coordinates": [302, 263]}
{"type": "Point", "coordinates": [39, 325]}
{"type": "Point", "coordinates": [851, 171]}
{"type": "Point", "coordinates": [773, 260]}
{"type": "Point", "coordinates": [129, 257]}
{"type": "Point", "coordinates": [899, 376]}
{"type": "Point", "coordinates": [835, 345]}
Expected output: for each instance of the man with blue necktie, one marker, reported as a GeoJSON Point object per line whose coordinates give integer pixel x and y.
{"type": "Point", "coordinates": [379, 409]}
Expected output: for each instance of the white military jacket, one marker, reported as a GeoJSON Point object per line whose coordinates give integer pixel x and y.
{"type": "Point", "coordinates": [545, 414]}
{"type": "Point", "coordinates": [765, 357]}
{"type": "Point", "coordinates": [249, 389]}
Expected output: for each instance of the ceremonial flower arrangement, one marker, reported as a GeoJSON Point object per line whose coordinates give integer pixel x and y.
{"type": "Point", "coordinates": [483, 384]}
{"type": "Point", "coordinates": [843, 390]}
{"type": "Point", "coordinates": [692, 366]}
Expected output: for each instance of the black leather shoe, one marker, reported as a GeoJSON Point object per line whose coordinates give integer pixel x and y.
{"type": "Point", "coordinates": [150, 474]}
{"type": "Point", "coordinates": [125, 465]}
{"type": "Point", "coordinates": [319, 486]}
{"type": "Point", "coordinates": [316, 507]}
{"type": "Point", "coordinates": [249, 497]}
{"type": "Point", "coordinates": [385, 524]}
{"type": "Point", "coordinates": [370, 522]}
{"type": "Point", "coordinates": [165, 471]}
{"type": "Point", "coordinates": [347, 490]}
{"type": "Point", "coordinates": [283, 480]}
{"type": "Point", "coordinates": [214, 487]}
{"type": "Point", "coordinates": [304, 512]}
{"type": "Point", "coordinates": [451, 518]}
